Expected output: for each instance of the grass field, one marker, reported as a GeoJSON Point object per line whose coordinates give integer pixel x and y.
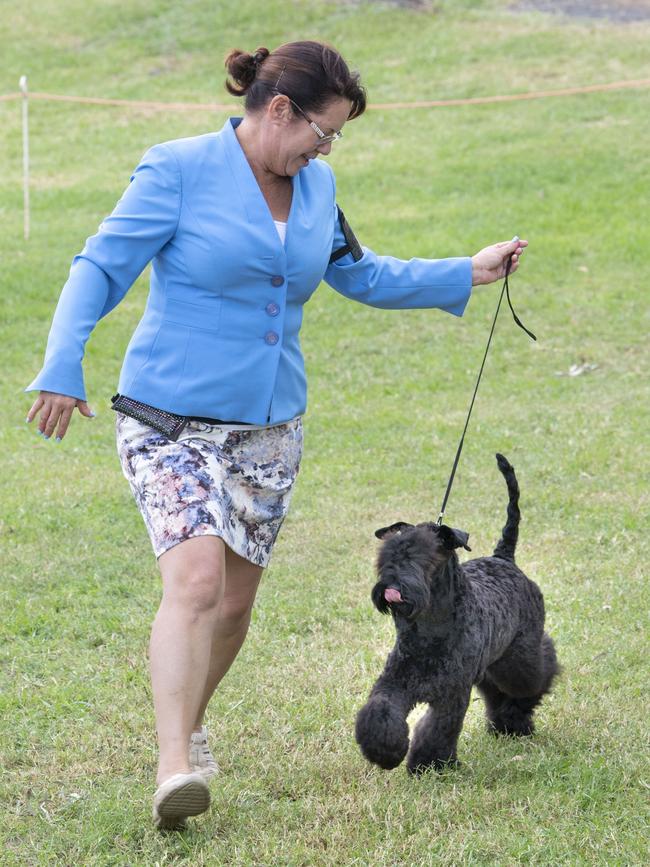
{"type": "Point", "coordinates": [388, 395]}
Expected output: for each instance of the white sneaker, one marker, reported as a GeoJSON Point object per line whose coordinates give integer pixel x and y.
{"type": "Point", "coordinates": [180, 796]}
{"type": "Point", "coordinates": [201, 759]}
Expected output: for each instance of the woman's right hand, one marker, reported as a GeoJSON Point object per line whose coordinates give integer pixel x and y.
{"type": "Point", "coordinates": [56, 411]}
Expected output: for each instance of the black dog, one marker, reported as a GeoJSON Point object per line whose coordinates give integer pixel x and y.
{"type": "Point", "coordinates": [457, 625]}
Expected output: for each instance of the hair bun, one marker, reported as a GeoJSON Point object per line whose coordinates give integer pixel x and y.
{"type": "Point", "coordinates": [313, 73]}
{"type": "Point", "coordinates": [242, 68]}
{"type": "Point", "coordinates": [260, 56]}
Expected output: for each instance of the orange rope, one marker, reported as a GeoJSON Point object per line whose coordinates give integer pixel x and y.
{"type": "Point", "coordinates": [382, 106]}
{"type": "Point", "coordinates": [513, 97]}
{"type": "Point", "coordinates": [128, 103]}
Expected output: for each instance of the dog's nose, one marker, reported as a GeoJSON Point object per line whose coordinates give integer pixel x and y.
{"type": "Point", "coordinates": [391, 594]}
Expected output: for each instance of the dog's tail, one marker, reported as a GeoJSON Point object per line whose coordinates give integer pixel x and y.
{"type": "Point", "coordinates": [508, 542]}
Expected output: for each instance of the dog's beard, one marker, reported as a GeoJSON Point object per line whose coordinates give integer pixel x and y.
{"type": "Point", "coordinates": [405, 593]}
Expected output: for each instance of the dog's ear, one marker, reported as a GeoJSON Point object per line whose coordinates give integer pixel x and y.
{"type": "Point", "coordinates": [393, 530]}
{"type": "Point", "coordinates": [453, 538]}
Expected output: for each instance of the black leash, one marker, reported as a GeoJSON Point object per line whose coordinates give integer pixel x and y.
{"type": "Point", "coordinates": [505, 289]}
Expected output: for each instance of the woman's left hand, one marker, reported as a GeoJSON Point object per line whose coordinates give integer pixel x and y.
{"type": "Point", "coordinates": [489, 264]}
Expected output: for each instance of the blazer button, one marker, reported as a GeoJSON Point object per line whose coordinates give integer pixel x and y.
{"type": "Point", "coordinates": [278, 280]}
{"type": "Point", "coordinates": [271, 338]}
{"type": "Point", "coordinates": [272, 308]}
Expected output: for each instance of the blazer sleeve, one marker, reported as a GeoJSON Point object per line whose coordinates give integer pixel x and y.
{"type": "Point", "coordinates": [383, 281]}
{"type": "Point", "coordinates": [143, 221]}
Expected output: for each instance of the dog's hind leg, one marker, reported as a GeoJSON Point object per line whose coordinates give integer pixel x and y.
{"type": "Point", "coordinates": [435, 738]}
{"type": "Point", "coordinates": [507, 715]}
{"type": "Point", "coordinates": [381, 729]}
{"type": "Point", "coordinates": [512, 692]}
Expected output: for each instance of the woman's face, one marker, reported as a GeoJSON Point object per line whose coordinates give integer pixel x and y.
{"type": "Point", "coordinates": [293, 142]}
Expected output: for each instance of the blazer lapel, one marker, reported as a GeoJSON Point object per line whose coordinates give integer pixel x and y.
{"type": "Point", "coordinates": [255, 206]}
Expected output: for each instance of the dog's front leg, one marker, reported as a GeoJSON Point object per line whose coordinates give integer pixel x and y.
{"type": "Point", "coordinates": [381, 730]}
{"type": "Point", "coordinates": [436, 735]}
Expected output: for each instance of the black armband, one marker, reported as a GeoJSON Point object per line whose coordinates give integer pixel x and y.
{"type": "Point", "coordinates": [351, 246]}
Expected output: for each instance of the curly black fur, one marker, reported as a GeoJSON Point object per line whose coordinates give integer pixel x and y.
{"type": "Point", "coordinates": [480, 623]}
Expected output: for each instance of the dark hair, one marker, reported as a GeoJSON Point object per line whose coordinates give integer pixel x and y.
{"type": "Point", "coordinates": [312, 74]}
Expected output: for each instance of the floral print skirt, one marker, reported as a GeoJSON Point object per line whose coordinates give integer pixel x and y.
{"type": "Point", "coordinates": [235, 484]}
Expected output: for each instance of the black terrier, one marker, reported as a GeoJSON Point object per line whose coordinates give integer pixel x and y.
{"type": "Point", "coordinates": [479, 623]}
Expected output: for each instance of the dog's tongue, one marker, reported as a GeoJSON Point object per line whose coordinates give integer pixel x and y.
{"type": "Point", "coordinates": [392, 595]}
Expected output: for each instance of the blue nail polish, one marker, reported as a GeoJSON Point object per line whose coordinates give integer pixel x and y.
{"type": "Point", "coordinates": [40, 433]}
{"type": "Point", "coordinates": [58, 439]}
{"type": "Point", "coordinates": [45, 437]}
{"type": "Point", "coordinates": [26, 421]}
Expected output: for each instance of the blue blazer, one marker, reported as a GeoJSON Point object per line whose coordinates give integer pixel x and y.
{"type": "Point", "coordinates": [219, 334]}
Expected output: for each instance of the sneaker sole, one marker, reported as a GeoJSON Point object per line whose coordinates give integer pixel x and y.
{"type": "Point", "coordinates": [187, 799]}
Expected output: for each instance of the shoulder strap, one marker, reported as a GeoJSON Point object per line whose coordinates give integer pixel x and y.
{"type": "Point", "coordinates": [351, 246]}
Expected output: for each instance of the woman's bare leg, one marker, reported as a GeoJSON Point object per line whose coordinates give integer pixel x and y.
{"type": "Point", "coordinates": [234, 616]}
{"type": "Point", "coordinates": [208, 595]}
{"type": "Point", "coordinates": [194, 578]}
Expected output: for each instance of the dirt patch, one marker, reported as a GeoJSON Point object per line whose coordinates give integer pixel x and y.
{"type": "Point", "coordinates": [611, 10]}
{"type": "Point", "coordinates": [418, 5]}
{"type": "Point", "coordinates": [622, 10]}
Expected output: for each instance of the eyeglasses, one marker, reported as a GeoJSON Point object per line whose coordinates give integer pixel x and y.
{"type": "Point", "coordinates": [322, 138]}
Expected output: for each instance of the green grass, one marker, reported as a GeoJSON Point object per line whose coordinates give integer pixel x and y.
{"type": "Point", "coordinates": [388, 396]}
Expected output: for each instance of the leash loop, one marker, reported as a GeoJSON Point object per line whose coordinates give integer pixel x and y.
{"type": "Point", "coordinates": [504, 289]}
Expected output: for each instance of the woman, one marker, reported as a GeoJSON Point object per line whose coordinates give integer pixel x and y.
{"type": "Point", "coordinates": [241, 225]}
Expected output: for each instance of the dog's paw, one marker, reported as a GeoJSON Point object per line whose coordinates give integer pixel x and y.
{"type": "Point", "coordinates": [509, 728]}
{"type": "Point", "coordinates": [418, 766]}
{"type": "Point", "coordinates": [382, 734]}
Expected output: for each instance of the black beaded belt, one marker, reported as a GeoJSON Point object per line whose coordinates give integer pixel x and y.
{"type": "Point", "coordinates": [168, 423]}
